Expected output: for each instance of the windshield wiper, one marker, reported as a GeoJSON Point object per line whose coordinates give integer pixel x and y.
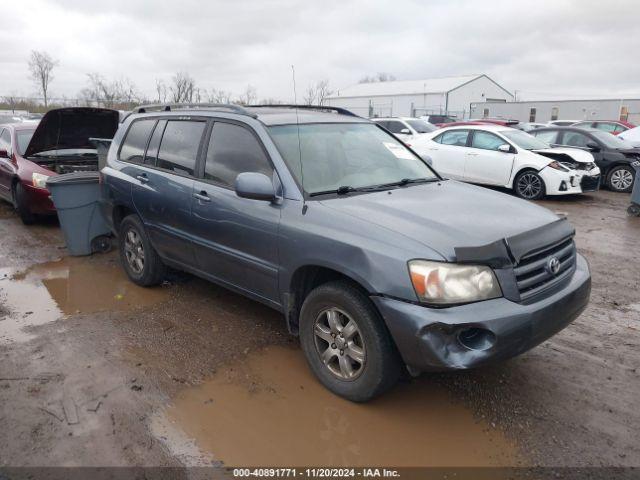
{"type": "Point", "coordinates": [343, 190]}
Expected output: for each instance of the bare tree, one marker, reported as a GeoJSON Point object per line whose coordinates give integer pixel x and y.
{"type": "Point", "coordinates": [183, 87]}
{"type": "Point", "coordinates": [248, 97]}
{"type": "Point", "coordinates": [317, 93]}
{"type": "Point", "coordinates": [378, 77]}
{"type": "Point", "coordinates": [110, 94]}
{"type": "Point", "coordinates": [161, 90]}
{"type": "Point", "coordinates": [309, 97]}
{"type": "Point", "coordinates": [41, 66]}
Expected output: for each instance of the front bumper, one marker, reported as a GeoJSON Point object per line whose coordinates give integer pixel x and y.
{"type": "Point", "coordinates": [428, 338]}
{"type": "Point", "coordinates": [39, 200]}
{"type": "Point", "coordinates": [573, 182]}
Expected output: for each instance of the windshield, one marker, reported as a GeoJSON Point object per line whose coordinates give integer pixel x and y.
{"type": "Point", "coordinates": [333, 155]}
{"type": "Point", "coordinates": [24, 137]}
{"type": "Point", "coordinates": [524, 140]}
{"type": "Point", "coordinates": [610, 140]}
{"type": "Point", "coordinates": [421, 126]}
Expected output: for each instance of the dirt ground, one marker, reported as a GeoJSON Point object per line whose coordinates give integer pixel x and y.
{"type": "Point", "coordinates": [95, 371]}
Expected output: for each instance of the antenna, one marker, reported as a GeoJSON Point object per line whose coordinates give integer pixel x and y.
{"type": "Point", "coordinates": [295, 102]}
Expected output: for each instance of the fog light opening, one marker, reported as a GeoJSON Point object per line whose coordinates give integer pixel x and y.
{"type": "Point", "coordinates": [563, 186]}
{"type": "Point", "coordinates": [476, 338]}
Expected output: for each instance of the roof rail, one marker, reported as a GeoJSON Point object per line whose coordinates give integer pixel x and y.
{"type": "Point", "coordinates": [168, 107]}
{"type": "Point", "coordinates": [340, 110]}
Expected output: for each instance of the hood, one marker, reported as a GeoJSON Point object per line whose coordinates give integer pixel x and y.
{"type": "Point", "coordinates": [560, 154]}
{"type": "Point", "coordinates": [71, 128]}
{"type": "Point", "coordinates": [446, 215]}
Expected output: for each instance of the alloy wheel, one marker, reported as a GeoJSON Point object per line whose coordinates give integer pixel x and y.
{"type": "Point", "coordinates": [134, 251]}
{"type": "Point", "coordinates": [529, 185]}
{"type": "Point", "coordinates": [621, 179]}
{"type": "Point", "coordinates": [339, 344]}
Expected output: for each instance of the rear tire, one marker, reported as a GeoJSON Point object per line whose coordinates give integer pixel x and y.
{"type": "Point", "coordinates": [529, 185]}
{"type": "Point", "coordinates": [21, 204]}
{"type": "Point", "coordinates": [139, 259]}
{"type": "Point", "coordinates": [346, 343]}
{"type": "Point", "coordinates": [620, 178]}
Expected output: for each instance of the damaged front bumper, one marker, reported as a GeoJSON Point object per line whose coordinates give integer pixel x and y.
{"type": "Point", "coordinates": [472, 335]}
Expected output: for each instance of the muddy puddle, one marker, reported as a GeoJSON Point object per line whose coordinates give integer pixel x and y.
{"type": "Point", "coordinates": [46, 292]}
{"type": "Point", "coordinates": [270, 411]}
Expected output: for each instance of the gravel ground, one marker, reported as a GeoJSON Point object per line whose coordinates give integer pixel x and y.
{"type": "Point", "coordinates": [84, 389]}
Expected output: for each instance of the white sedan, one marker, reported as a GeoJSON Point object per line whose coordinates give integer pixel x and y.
{"type": "Point", "coordinates": [506, 157]}
{"type": "Point", "coordinates": [632, 136]}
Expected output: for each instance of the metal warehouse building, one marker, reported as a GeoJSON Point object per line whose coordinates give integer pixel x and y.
{"type": "Point", "coordinates": [451, 95]}
{"type": "Point", "coordinates": [546, 110]}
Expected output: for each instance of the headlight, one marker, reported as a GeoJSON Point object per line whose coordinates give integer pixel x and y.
{"type": "Point", "coordinates": [558, 166]}
{"type": "Point", "coordinates": [39, 180]}
{"type": "Point", "coordinates": [449, 283]}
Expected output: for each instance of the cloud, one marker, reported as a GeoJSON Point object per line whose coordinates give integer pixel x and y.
{"type": "Point", "coordinates": [543, 49]}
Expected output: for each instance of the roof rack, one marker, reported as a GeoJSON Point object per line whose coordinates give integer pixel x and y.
{"type": "Point", "coordinates": [168, 107]}
{"type": "Point", "coordinates": [341, 111]}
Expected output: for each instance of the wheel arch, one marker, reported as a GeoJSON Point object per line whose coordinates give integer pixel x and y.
{"type": "Point", "coordinates": [308, 277]}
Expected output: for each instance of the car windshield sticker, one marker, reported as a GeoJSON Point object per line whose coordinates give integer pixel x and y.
{"type": "Point", "coordinates": [399, 151]}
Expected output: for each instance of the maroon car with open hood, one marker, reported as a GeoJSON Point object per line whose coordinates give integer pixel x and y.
{"type": "Point", "coordinates": [30, 153]}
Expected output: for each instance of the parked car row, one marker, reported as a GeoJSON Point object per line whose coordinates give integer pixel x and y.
{"type": "Point", "coordinates": [377, 262]}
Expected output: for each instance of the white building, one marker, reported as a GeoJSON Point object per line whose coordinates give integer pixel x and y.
{"type": "Point", "coordinates": [545, 110]}
{"type": "Point", "coordinates": [450, 95]}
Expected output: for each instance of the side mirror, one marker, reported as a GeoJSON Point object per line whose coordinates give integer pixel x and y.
{"type": "Point", "coordinates": [504, 148]}
{"type": "Point", "coordinates": [256, 186]}
{"type": "Point", "coordinates": [593, 146]}
{"type": "Point", "coordinates": [4, 154]}
{"type": "Point", "coordinates": [405, 131]}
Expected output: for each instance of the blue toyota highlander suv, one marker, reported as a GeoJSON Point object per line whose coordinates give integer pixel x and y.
{"type": "Point", "coordinates": [376, 261]}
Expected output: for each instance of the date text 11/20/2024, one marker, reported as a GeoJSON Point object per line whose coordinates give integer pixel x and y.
{"type": "Point", "coordinates": [315, 473]}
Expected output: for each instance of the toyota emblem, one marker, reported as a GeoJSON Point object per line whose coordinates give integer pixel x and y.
{"type": "Point", "coordinates": [553, 266]}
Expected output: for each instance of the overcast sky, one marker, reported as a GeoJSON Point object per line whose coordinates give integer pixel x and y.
{"type": "Point", "coordinates": [542, 49]}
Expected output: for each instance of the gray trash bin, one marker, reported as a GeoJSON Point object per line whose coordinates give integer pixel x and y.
{"type": "Point", "coordinates": [76, 197]}
{"type": "Point", "coordinates": [634, 208]}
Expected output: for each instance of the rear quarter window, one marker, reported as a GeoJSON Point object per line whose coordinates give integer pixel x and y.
{"type": "Point", "coordinates": [135, 141]}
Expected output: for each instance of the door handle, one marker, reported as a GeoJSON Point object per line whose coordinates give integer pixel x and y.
{"type": "Point", "coordinates": [143, 178]}
{"type": "Point", "coordinates": [473, 154]}
{"type": "Point", "coordinates": [202, 196]}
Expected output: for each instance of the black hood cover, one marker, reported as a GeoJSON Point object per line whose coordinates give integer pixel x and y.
{"type": "Point", "coordinates": [71, 128]}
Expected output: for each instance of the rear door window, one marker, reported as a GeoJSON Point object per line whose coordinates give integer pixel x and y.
{"type": "Point", "coordinates": [179, 146]}
{"type": "Point", "coordinates": [457, 138]}
{"type": "Point", "coordinates": [233, 150]}
{"type": "Point", "coordinates": [135, 143]}
{"type": "Point", "coordinates": [606, 126]}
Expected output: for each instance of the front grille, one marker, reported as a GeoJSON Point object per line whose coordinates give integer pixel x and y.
{"type": "Point", "coordinates": [532, 272]}
{"type": "Point", "coordinates": [590, 184]}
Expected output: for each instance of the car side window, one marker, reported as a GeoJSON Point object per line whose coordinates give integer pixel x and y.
{"type": "Point", "coordinates": [5, 141]}
{"type": "Point", "coordinates": [135, 142]}
{"type": "Point", "coordinates": [606, 126]}
{"type": "Point", "coordinates": [233, 150]}
{"type": "Point", "coordinates": [152, 150]}
{"type": "Point", "coordinates": [395, 126]}
{"type": "Point", "coordinates": [575, 139]}
{"type": "Point", "coordinates": [179, 146]}
{"type": "Point", "coordinates": [619, 128]}
{"type": "Point", "coordinates": [456, 138]}
{"type": "Point", "coordinates": [486, 140]}
{"type": "Point", "coordinates": [547, 137]}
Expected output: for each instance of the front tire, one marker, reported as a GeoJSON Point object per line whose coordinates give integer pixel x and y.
{"type": "Point", "coordinates": [529, 185]}
{"type": "Point", "coordinates": [620, 178]}
{"type": "Point", "coordinates": [21, 204]}
{"type": "Point", "coordinates": [139, 259]}
{"type": "Point", "coordinates": [346, 343]}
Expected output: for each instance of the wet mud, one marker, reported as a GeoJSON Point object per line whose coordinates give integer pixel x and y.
{"type": "Point", "coordinates": [269, 410]}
